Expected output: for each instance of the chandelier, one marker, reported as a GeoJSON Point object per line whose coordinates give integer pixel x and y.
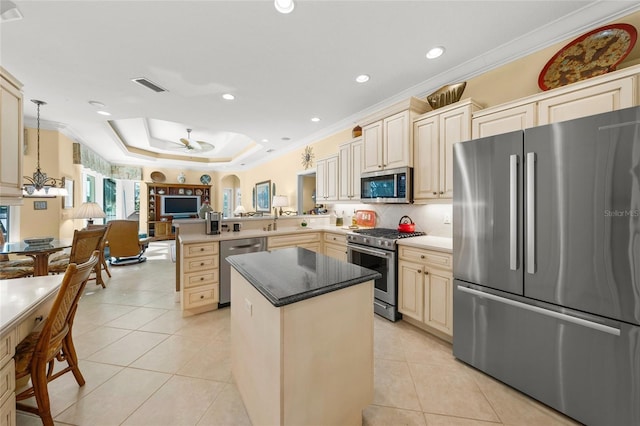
{"type": "Point", "coordinates": [41, 185]}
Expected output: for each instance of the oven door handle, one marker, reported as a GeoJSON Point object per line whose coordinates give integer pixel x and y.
{"type": "Point", "coordinates": [370, 251]}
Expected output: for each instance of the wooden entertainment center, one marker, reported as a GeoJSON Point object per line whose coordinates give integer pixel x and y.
{"type": "Point", "coordinates": [159, 225]}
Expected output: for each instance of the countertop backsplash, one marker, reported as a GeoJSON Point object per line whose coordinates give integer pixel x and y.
{"type": "Point", "coordinates": [428, 218]}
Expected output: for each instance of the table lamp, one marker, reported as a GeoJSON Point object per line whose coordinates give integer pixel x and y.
{"type": "Point", "coordinates": [89, 211]}
{"type": "Point", "coordinates": [280, 201]}
{"type": "Point", "coordinates": [239, 211]}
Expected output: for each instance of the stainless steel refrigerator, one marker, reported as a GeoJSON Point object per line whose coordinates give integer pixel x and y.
{"type": "Point", "coordinates": [546, 243]}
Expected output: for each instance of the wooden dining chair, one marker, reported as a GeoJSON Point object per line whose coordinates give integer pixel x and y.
{"type": "Point", "coordinates": [52, 341]}
{"type": "Point", "coordinates": [14, 268]}
{"type": "Point", "coordinates": [84, 243]}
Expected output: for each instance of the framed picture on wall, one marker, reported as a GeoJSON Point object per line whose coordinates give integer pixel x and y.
{"type": "Point", "coordinates": [39, 205]}
{"type": "Point", "coordinates": [67, 201]}
{"type": "Point", "coordinates": [263, 196]}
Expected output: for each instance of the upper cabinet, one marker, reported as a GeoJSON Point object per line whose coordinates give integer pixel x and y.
{"type": "Point", "coordinates": [596, 95]}
{"type": "Point", "coordinates": [11, 139]}
{"type": "Point", "coordinates": [387, 136]}
{"type": "Point", "coordinates": [434, 134]}
{"type": "Point", "coordinates": [350, 167]}
{"type": "Point", "coordinates": [327, 179]}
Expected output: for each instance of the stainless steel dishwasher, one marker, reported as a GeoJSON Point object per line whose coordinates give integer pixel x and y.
{"type": "Point", "coordinates": [230, 248]}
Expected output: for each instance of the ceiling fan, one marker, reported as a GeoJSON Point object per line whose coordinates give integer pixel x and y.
{"type": "Point", "coordinates": [190, 144]}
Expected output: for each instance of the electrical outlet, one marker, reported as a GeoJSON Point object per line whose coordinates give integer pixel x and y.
{"type": "Point", "coordinates": [248, 306]}
{"type": "Point", "coordinates": [447, 219]}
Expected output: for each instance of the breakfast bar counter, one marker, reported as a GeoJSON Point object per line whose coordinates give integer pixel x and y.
{"type": "Point", "coordinates": [301, 337]}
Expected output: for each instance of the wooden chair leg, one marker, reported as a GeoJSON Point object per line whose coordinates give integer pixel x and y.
{"type": "Point", "coordinates": [41, 392]}
{"type": "Point", "coordinates": [72, 359]}
{"type": "Point", "coordinates": [99, 280]}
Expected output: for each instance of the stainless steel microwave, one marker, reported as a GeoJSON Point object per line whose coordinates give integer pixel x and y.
{"type": "Point", "coordinates": [387, 186]}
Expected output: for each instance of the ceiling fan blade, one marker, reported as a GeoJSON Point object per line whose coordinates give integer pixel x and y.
{"type": "Point", "coordinates": [195, 145]}
{"type": "Point", "coordinates": [184, 141]}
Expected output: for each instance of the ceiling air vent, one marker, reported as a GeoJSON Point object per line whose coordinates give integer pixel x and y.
{"type": "Point", "coordinates": [148, 84]}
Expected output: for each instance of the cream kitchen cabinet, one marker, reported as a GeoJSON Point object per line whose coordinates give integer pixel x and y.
{"type": "Point", "coordinates": [11, 139]}
{"type": "Point", "coordinates": [335, 245]}
{"type": "Point", "coordinates": [425, 289]}
{"type": "Point", "coordinates": [327, 179]}
{"type": "Point", "coordinates": [350, 156]}
{"type": "Point", "coordinates": [604, 97]}
{"type": "Point", "coordinates": [596, 95]}
{"type": "Point", "coordinates": [503, 120]}
{"type": "Point", "coordinates": [308, 240]}
{"type": "Point", "coordinates": [200, 283]}
{"type": "Point", "coordinates": [387, 136]}
{"type": "Point", "coordinates": [435, 133]}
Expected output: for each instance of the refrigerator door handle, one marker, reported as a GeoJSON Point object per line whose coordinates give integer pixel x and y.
{"type": "Point", "coordinates": [558, 315]}
{"type": "Point", "coordinates": [513, 212]}
{"type": "Point", "coordinates": [531, 212]}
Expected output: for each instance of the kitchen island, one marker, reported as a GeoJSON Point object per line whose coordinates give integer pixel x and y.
{"type": "Point", "coordinates": [301, 337]}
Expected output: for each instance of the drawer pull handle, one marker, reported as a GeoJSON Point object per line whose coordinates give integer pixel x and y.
{"type": "Point", "coordinates": [39, 318]}
{"type": "Point", "coordinates": [201, 278]}
{"type": "Point", "coordinates": [202, 296]}
{"type": "Point", "coordinates": [426, 272]}
{"type": "Point", "coordinates": [201, 263]}
{"type": "Point", "coordinates": [419, 271]}
{"type": "Point", "coordinates": [201, 248]}
{"type": "Point", "coordinates": [422, 256]}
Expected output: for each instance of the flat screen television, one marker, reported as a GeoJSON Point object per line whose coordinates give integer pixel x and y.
{"type": "Point", "coordinates": [179, 205]}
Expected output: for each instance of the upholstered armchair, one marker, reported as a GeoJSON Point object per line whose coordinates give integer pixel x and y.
{"type": "Point", "coordinates": [123, 244]}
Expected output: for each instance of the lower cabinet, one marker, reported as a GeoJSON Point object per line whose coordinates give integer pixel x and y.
{"type": "Point", "coordinates": [200, 277]}
{"type": "Point", "coordinates": [335, 245]}
{"type": "Point", "coordinates": [309, 240]}
{"type": "Point", "coordinates": [425, 289]}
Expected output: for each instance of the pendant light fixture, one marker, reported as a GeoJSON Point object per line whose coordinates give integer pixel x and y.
{"type": "Point", "coordinates": [40, 185]}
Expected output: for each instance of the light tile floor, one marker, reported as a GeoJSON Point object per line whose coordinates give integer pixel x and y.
{"type": "Point", "coordinates": [145, 364]}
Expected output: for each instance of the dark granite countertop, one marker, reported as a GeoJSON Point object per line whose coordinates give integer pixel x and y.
{"type": "Point", "coordinates": [290, 275]}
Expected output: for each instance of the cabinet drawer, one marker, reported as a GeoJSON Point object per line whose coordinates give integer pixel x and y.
{"type": "Point", "coordinates": [7, 381]}
{"type": "Point", "coordinates": [201, 296]}
{"type": "Point", "coordinates": [201, 278]}
{"type": "Point", "coordinates": [200, 263]}
{"type": "Point", "coordinates": [426, 257]}
{"type": "Point", "coordinates": [30, 322]}
{"type": "Point", "coordinates": [8, 412]}
{"type": "Point", "coordinates": [335, 238]}
{"type": "Point", "coordinates": [8, 345]}
{"type": "Point", "coordinates": [200, 249]}
{"type": "Point", "coordinates": [293, 239]}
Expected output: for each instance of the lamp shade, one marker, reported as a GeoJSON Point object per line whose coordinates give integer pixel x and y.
{"type": "Point", "coordinates": [239, 210]}
{"type": "Point", "coordinates": [280, 201]}
{"type": "Point", "coordinates": [89, 210]}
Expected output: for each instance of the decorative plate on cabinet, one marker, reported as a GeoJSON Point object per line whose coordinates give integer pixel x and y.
{"type": "Point", "coordinates": [189, 192]}
{"type": "Point", "coordinates": [158, 177]}
{"type": "Point", "coordinates": [205, 179]}
{"type": "Point", "coordinates": [594, 53]}
{"type": "Point", "coordinates": [198, 191]}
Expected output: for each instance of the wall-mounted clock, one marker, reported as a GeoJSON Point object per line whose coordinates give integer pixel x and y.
{"type": "Point", "coordinates": [307, 157]}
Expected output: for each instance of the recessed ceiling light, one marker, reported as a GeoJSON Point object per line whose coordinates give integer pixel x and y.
{"type": "Point", "coordinates": [228, 97]}
{"type": "Point", "coordinates": [97, 104]}
{"type": "Point", "coordinates": [103, 112]}
{"type": "Point", "coordinates": [362, 78]}
{"type": "Point", "coordinates": [286, 139]}
{"type": "Point", "coordinates": [315, 119]}
{"type": "Point", "coordinates": [270, 150]}
{"type": "Point", "coordinates": [264, 140]}
{"type": "Point", "coordinates": [284, 6]}
{"type": "Point", "coordinates": [435, 52]}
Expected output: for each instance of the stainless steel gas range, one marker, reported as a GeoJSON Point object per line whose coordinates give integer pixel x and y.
{"type": "Point", "coordinates": [376, 249]}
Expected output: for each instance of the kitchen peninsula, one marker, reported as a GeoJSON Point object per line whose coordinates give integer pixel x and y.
{"type": "Point", "coordinates": [301, 337]}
